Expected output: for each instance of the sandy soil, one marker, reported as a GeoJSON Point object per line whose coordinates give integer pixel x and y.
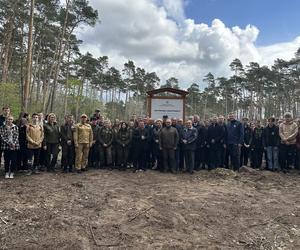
{"type": "Point", "coordinates": [103, 209]}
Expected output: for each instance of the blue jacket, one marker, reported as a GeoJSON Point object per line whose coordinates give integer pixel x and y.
{"type": "Point", "coordinates": [235, 133]}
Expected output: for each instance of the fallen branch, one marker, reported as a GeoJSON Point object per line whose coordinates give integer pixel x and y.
{"type": "Point", "coordinates": [5, 222]}
{"type": "Point", "coordinates": [140, 213]}
{"type": "Point", "coordinates": [203, 205]}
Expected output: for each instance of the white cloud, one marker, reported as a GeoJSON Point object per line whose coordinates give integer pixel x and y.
{"type": "Point", "coordinates": [157, 36]}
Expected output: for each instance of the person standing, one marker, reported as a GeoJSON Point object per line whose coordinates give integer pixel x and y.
{"type": "Point", "coordinates": [94, 153]}
{"type": "Point", "coordinates": [51, 142]}
{"type": "Point", "coordinates": [106, 139]}
{"type": "Point", "coordinates": [288, 131]}
{"type": "Point", "coordinates": [10, 145]}
{"type": "Point", "coordinates": [67, 144]}
{"type": "Point", "coordinates": [245, 149]}
{"type": "Point", "coordinates": [83, 139]}
{"type": "Point", "coordinates": [141, 138]}
{"type": "Point", "coordinates": [3, 117]}
{"type": "Point", "coordinates": [35, 137]}
{"type": "Point", "coordinates": [123, 140]}
{"type": "Point", "coordinates": [168, 142]}
{"type": "Point", "coordinates": [189, 140]}
{"type": "Point", "coordinates": [234, 140]}
{"type": "Point", "coordinates": [215, 139]}
{"type": "Point", "coordinates": [271, 143]}
{"type": "Point", "coordinates": [22, 161]}
{"type": "Point", "coordinates": [256, 145]}
{"type": "Point", "coordinates": [157, 154]}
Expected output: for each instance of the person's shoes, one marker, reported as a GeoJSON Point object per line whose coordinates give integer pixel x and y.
{"type": "Point", "coordinates": [284, 171]}
{"type": "Point", "coordinates": [71, 170]}
{"type": "Point", "coordinates": [11, 176]}
{"type": "Point", "coordinates": [78, 172]}
{"type": "Point", "coordinates": [7, 175]}
{"type": "Point", "coordinates": [84, 169]}
{"type": "Point", "coordinates": [191, 172]}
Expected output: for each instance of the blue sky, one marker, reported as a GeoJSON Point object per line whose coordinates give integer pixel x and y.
{"type": "Point", "coordinates": [277, 20]}
{"type": "Point", "coordinates": [187, 39]}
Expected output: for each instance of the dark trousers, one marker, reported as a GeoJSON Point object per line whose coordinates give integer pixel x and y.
{"type": "Point", "coordinates": [157, 156]}
{"type": "Point", "coordinates": [169, 159]}
{"type": "Point", "coordinates": [122, 156]}
{"type": "Point", "coordinates": [245, 152]}
{"type": "Point", "coordinates": [200, 160]}
{"type": "Point", "coordinates": [22, 162]}
{"type": "Point", "coordinates": [68, 155]}
{"type": "Point", "coordinates": [36, 154]}
{"type": "Point", "coordinates": [256, 157]}
{"type": "Point", "coordinates": [189, 159]}
{"type": "Point", "coordinates": [106, 156]}
{"type": "Point", "coordinates": [215, 156]}
{"type": "Point", "coordinates": [10, 160]}
{"type": "Point", "coordinates": [287, 155]}
{"type": "Point", "coordinates": [233, 153]}
{"type": "Point", "coordinates": [94, 155]}
{"type": "Point", "coordinates": [52, 150]}
{"type": "Point", "coordinates": [141, 156]}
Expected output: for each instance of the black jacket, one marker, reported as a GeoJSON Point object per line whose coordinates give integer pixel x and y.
{"type": "Point", "coordinates": [271, 136]}
{"type": "Point", "coordinates": [217, 133]}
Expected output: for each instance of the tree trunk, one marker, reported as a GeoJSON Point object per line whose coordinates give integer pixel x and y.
{"type": "Point", "coordinates": [60, 56]}
{"type": "Point", "coordinates": [29, 59]}
{"type": "Point", "coordinates": [7, 48]}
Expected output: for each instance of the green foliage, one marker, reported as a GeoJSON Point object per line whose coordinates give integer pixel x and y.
{"type": "Point", "coordinates": [10, 95]}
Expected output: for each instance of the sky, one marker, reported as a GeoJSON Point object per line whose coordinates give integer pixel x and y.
{"type": "Point", "coordinates": [187, 39]}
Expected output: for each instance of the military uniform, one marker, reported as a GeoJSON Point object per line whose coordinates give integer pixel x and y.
{"type": "Point", "coordinates": [106, 136]}
{"type": "Point", "coordinates": [83, 139]}
{"type": "Point", "coordinates": [51, 140]}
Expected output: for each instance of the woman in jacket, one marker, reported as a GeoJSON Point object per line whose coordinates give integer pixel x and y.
{"type": "Point", "coordinates": [123, 140]}
{"type": "Point", "coordinates": [10, 146]}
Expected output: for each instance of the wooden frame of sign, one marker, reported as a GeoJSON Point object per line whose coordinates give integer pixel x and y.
{"type": "Point", "coordinates": [172, 102]}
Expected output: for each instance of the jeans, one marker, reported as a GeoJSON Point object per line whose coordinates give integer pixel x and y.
{"type": "Point", "coordinates": [272, 157]}
{"type": "Point", "coordinates": [33, 153]}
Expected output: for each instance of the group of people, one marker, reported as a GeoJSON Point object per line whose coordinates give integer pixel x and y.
{"type": "Point", "coordinates": [168, 145]}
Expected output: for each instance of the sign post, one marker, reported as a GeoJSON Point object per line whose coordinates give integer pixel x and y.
{"type": "Point", "coordinates": [161, 104]}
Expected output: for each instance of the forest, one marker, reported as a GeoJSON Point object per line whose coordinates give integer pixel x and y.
{"type": "Point", "coordinates": [43, 70]}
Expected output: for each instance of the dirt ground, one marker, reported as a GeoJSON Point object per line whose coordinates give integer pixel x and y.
{"type": "Point", "coordinates": [103, 209]}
